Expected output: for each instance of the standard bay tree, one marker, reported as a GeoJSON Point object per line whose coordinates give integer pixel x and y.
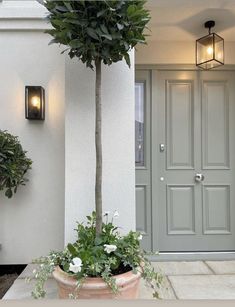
{"type": "Point", "coordinates": [98, 32]}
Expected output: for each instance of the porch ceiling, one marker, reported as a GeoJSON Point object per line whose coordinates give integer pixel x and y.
{"type": "Point", "coordinates": [183, 20]}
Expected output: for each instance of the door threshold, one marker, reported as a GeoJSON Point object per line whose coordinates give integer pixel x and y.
{"type": "Point", "coordinates": [193, 256]}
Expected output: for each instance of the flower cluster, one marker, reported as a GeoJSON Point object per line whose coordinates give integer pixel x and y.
{"type": "Point", "coordinates": [76, 265]}
{"type": "Point", "coordinates": [104, 256]}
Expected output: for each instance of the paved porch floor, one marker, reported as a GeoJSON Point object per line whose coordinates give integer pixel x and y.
{"type": "Point", "coordinates": [182, 280]}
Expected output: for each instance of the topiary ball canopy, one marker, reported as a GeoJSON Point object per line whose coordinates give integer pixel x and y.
{"type": "Point", "coordinates": [106, 29]}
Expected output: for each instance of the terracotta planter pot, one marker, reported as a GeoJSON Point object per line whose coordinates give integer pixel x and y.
{"type": "Point", "coordinates": [96, 288]}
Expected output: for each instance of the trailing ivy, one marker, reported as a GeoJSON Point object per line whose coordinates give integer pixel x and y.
{"type": "Point", "coordinates": [13, 163]}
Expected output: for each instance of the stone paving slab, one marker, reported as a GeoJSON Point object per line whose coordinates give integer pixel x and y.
{"type": "Point", "coordinates": [222, 267]}
{"type": "Point", "coordinates": [204, 286]}
{"type": "Point", "coordinates": [182, 268]}
{"type": "Point", "coordinates": [166, 291]}
{"type": "Point", "coordinates": [21, 290]}
{"type": "Point", "coordinates": [28, 271]}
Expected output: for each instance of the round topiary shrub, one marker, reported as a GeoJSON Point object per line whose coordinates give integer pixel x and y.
{"type": "Point", "coordinates": [13, 163]}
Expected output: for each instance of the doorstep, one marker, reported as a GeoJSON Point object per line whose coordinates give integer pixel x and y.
{"type": "Point", "coordinates": [182, 280]}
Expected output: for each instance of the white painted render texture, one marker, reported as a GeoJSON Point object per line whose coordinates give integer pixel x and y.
{"type": "Point", "coordinates": [118, 143]}
{"type": "Point", "coordinates": [32, 222]}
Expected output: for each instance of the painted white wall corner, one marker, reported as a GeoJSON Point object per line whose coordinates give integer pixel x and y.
{"type": "Point", "coordinates": [118, 144]}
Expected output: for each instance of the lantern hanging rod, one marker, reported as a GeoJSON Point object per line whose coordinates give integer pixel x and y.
{"type": "Point", "coordinates": [209, 24]}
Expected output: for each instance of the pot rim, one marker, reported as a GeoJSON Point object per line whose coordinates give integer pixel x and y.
{"type": "Point", "coordinates": [121, 279]}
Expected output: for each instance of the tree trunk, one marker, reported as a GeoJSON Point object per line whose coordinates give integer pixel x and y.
{"type": "Point", "coordinates": [98, 147]}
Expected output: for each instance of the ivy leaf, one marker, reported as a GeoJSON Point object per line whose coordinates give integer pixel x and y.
{"type": "Point", "coordinates": [120, 27]}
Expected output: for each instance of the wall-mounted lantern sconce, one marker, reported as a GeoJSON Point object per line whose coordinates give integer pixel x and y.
{"type": "Point", "coordinates": [210, 49]}
{"type": "Point", "coordinates": [34, 102]}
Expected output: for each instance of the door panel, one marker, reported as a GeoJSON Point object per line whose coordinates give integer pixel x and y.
{"type": "Point", "coordinates": [215, 125]}
{"type": "Point", "coordinates": [193, 116]}
{"type": "Point", "coordinates": [216, 209]}
{"type": "Point", "coordinates": [180, 199]}
{"type": "Point", "coordinates": [179, 120]}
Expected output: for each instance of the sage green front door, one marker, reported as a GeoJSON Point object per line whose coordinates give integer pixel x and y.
{"type": "Point", "coordinates": [192, 161]}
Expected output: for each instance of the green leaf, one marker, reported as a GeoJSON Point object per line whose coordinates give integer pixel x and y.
{"type": "Point", "coordinates": [75, 43]}
{"type": "Point", "coordinates": [72, 250]}
{"type": "Point", "coordinates": [98, 241]}
{"type": "Point", "coordinates": [75, 21]}
{"type": "Point", "coordinates": [104, 29]}
{"type": "Point", "coordinates": [53, 41]}
{"type": "Point", "coordinates": [101, 13]}
{"type": "Point", "coordinates": [127, 58]}
{"type": "Point", "coordinates": [8, 193]}
{"type": "Point", "coordinates": [120, 27]}
{"type": "Point", "coordinates": [131, 10]}
{"type": "Point", "coordinates": [57, 22]}
{"type": "Point", "coordinates": [66, 267]}
{"type": "Point", "coordinates": [61, 8]}
{"type": "Point", "coordinates": [108, 36]}
{"type": "Point", "coordinates": [68, 5]}
{"type": "Point", "coordinates": [126, 46]}
{"type": "Point", "coordinates": [92, 33]}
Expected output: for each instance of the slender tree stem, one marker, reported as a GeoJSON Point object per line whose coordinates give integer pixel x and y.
{"type": "Point", "coordinates": [98, 146]}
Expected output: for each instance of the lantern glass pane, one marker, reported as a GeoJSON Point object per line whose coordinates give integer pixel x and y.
{"type": "Point", "coordinates": [205, 49]}
{"type": "Point", "coordinates": [34, 102]}
{"type": "Point", "coordinates": [219, 48]}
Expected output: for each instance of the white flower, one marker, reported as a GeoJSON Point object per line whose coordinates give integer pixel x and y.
{"type": "Point", "coordinates": [109, 248]}
{"type": "Point", "coordinates": [106, 213]}
{"type": "Point", "coordinates": [75, 265]}
{"type": "Point", "coordinates": [34, 271]}
{"type": "Point", "coordinates": [116, 214]}
{"type": "Point", "coordinates": [140, 237]}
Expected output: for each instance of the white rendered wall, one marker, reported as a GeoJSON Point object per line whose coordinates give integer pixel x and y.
{"type": "Point", "coordinates": [118, 144]}
{"type": "Point", "coordinates": [32, 222]}
{"type": "Point", "coordinates": [163, 52]}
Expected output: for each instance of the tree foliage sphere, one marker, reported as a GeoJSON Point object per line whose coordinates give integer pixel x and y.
{"type": "Point", "coordinates": [103, 30]}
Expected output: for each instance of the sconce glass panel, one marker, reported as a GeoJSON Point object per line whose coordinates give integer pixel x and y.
{"type": "Point", "coordinates": [210, 51]}
{"type": "Point", "coordinates": [34, 102]}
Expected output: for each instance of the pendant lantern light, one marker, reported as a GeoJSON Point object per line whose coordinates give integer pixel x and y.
{"type": "Point", "coordinates": [210, 49]}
